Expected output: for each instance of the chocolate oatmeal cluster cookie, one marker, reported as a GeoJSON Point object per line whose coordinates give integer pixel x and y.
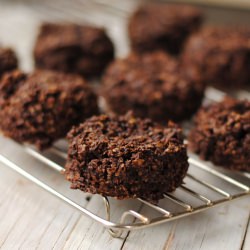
{"type": "Point", "coordinates": [8, 60]}
{"type": "Point", "coordinates": [222, 134]}
{"type": "Point", "coordinates": [221, 55]}
{"type": "Point", "coordinates": [125, 157]}
{"type": "Point", "coordinates": [152, 85]}
{"type": "Point", "coordinates": [163, 26]}
{"type": "Point", "coordinates": [73, 48]}
{"type": "Point", "coordinates": [41, 108]}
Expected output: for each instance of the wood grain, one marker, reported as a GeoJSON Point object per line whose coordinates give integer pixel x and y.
{"type": "Point", "coordinates": [220, 228]}
{"type": "Point", "coordinates": [32, 219]}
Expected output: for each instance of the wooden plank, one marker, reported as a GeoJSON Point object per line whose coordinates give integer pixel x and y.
{"type": "Point", "coordinates": [246, 243]}
{"type": "Point", "coordinates": [27, 214]}
{"type": "Point", "coordinates": [219, 228]}
{"type": "Point", "coordinates": [90, 235]}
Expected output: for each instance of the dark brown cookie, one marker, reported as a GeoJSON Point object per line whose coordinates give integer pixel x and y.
{"type": "Point", "coordinates": [152, 85]}
{"type": "Point", "coordinates": [221, 55]}
{"type": "Point", "coordinates": [8, 60]}
{"type": "Point", "coordinates": [41, 108]}
{"type": "Point", "coordinates": [125, 157]}
{"type": "Point", "coordinates": [222, 134]}
{"type": "Point", "coordinates": [163, 26]}
{"type": "Point", "coordinates": [72, 48]}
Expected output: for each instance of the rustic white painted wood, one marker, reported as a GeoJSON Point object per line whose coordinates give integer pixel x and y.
{"type": "Point", "coordinates": [32, 219]}
{"type": "Point", "coordinates": [246, 243]}
{"type": "Point", "coordinates": [219, 228]}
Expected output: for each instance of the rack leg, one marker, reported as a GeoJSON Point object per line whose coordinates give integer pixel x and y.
{"type": "Point", "coordinates": [113, 233]}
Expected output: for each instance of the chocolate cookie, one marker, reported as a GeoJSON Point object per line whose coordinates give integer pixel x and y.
{"type": "Point", "coordinates": [41, 108]}
{"type": "Point", "coordinates": [8, 60]}
{"type": "Point", "coordinates": [125, 157]}
{"type": "Point", "coordinates": [163, 26]}
{"type": "Point", "coordinates": [221, 55]}
{"type": "Point", "coordinates": [222, 134]}
{"type": "Point", "coordinates": [72, 48]}
{"type": "Point", "coordinates": [152, 85]}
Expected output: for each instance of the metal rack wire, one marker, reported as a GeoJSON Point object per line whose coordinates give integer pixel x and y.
{"type": "Point", "coordinates": [184, 208]}
{"type": "Point", "coordinates": [142, 221]}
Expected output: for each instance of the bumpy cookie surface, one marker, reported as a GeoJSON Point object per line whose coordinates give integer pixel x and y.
{"type": "Point", "coordinates": [162, 26]}
{"type": "Point", "coordinates": [152, 85]}
{"type": "Point", "coordinates": [125, 157]}
{"type": "Point", "coordinates": [8, 60]}
{"type": "Point", "coordinates": [41, 108]}
{"type": "Point", "coordinates": [72, 48]}
{"type": "Point", "coordinates": [222, 134]}
{"type": "Point", "coordinates": [221, 55]}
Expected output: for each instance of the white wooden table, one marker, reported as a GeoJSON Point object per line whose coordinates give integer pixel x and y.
{"type": "Point", "coordinates": [32, 219]}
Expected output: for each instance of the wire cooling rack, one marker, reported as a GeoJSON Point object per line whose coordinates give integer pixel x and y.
{"type": "Point", "coordinates": [204, 187]}
{"type": "Point", "coordinates": [232, 189]}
